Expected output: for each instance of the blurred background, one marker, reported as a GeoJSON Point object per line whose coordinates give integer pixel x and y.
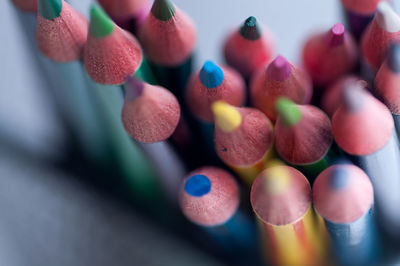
{"type": "Point", "coordinates": [56, 208]}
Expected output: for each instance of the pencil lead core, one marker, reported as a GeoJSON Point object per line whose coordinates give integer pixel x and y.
{"type": "Point", "coordinates": [133, 89]}
{"type": "Point", "coordinates": [339, 178]}
{"type": "Point", "coordinates": [163, 10]}
{"type": "Point", "coordinates": [250, 29]}
{"type": "Point", "coordinates": [211, 75]}
{"type": "Point", "coordinates": [336, 34]}
{"type": "Point", "coordinates": [50, 9]}
{"type": "Point", "coordinates": [387, 18]}
{"type": "Point", "coordinates": [276, 179]}
{"type": "Point", "coordinates": [226, 117]}
{"type": "Point", "coordinates": [198, 185]}
{"type": "Point", "coordinates": [279, 69]}
{"type": "Point", "coordinates": [288, 111]}
{"type": "Point", "coordinates": [353, 96]}
{"type": "Point", "coordinates": [394, 58]}
{"type": "Point", "coordinates": [101, 24]}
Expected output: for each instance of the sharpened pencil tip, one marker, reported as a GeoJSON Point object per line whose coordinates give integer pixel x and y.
{"type": "Point", "coordinates": [250, 29]}
{"type": "Point", "coordinates": [198, 185]}
{"type": "Point", "coordinates": [101, 24]}
{"type": "Point", "coordinates": [288, 111]}
{"type": "Point", "coordinates": [336, 34]}
{"type": "Point", "coordinates": [163, 10]}
{"type": "Point", "coordinates": [50, 9]}
{"type": "Point", "coordinates": [279, 69]}
{"type": "Point", "coordinates": [211, 75]}
{"type": "Point", "coordinates": [226, 117]}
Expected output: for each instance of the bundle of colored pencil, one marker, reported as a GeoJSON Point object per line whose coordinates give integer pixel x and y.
{"type": "Point", "coordinates": [285, 146]}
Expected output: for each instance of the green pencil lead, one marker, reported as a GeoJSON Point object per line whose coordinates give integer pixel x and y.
{"type": "Point", "coordinates": [163, 10]}
{"type": "Point", "coordinates": [288, 111]}
{"type": "Point", "coordinates": [101, 24]}
{"type": "Point", "coordinates": [50, 9]}
{"type": "Point", "coordinates": [250, 29]}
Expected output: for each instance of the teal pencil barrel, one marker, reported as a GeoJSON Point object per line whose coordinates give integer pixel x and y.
{"type": "Point", "coordinates": [352, 228]}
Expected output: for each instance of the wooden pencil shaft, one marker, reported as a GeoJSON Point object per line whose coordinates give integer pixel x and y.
{"type": "Point", "coordinates": [357, 22]}
{"type": "Point", "coordinates": [72, 96]}
{"type": "Point", "coordinates": [396, 118]}
{"type": "Point", "coordinates": [355, 243]}
{"type": "Point", "coordinates": [86, 111]}
{"type": "Point", "coordinates": [291, 244]}
{"type": "Point", "coordinates": [314, 169]}
{"type": "Point", "coordinates": [174, 78]}
{"type": "Point", "coordinates": [383, 168]}
{"type": "Point", "coordinates": [130, 160]}
{"type": "Point", "coordinates": [238, 237]}
{"type": "Point", "coordinates": [249, 174]}
{"type": "Point", "coordinates": [145, 73]}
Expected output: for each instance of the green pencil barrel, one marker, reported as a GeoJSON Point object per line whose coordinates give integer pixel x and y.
{"type": "Point", "coordinates": [76, 101]}
{"type": "Point", "coordinates": [145, 73]}
{"type": "Point", "coordinates": [128, 157]}
{"type": "Point", "coordinates": [73, 99]}
{"type": "Point", "coordinates": [311, 171]}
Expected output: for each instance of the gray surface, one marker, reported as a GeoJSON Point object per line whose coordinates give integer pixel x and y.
{"type": "Point", "coordinates": [47, 218]}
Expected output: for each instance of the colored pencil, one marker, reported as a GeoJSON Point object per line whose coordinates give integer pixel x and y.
{"type": "Point", "coordinates": [75, 100]}
{"type": "Point", "coordinates": [53, 35]}
{"type": "Point", "coordinates": [303, 136]}
{"type": "Point", "coordinates": [26, 5]}
{"type": "Point", "coordinates": [111, 54]}
{"type": "Point", "coordinates": [291, 231]}
{"type": "Point", "coordinates": [243, 139]}
{"type": "Point", "coordinates": [209, 198]}
{"type": "Point", "coordinates": [128, 158]}
{"type": "Point", "coordinates": [359, 14]}
{"type": "Point", "coordinates": [344, 197]}
{"type": "Point", "coordinates": [329, 55]}
{"type": "Point", "coordinates": [332, 96]}
{"type": "Point", "coordinates": [209, 84]}
{"type": "Point", "coordinates": [212, 83]}
{"type": "Point", "coordinates": [137, 160]}
{"type": "Point", "coordinates": [101, 53]}
{"type": "Point", "coordinates": [168, 37]}
{"type": "Point", "coordinates": [249, 48]}
{"type": "Point", "coordinates": [363, 127]}
{"type": "Point", "coordinates": [128, 14]}
{"type": "Point", "coordinates": [279, 78]}
{"type": "Point", "coordinates": [387, 84]}
{"type": "Point", "coordinates": [150, 113]}
{"type": "Point", "coordinates": [375, 42]}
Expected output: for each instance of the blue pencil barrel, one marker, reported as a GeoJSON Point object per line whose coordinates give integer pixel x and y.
{"type": "Point", "coordinates": [237, 236]}
{"type": "Point", "coordinates": [355, 243]}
